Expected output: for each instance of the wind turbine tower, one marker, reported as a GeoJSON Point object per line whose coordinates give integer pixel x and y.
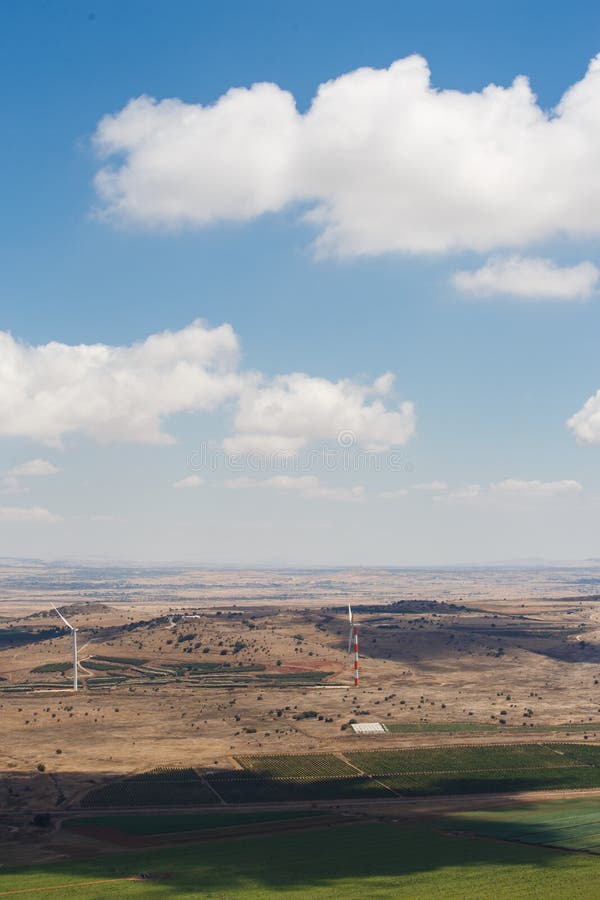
{"type": "Point", "coordinates": [353, 641]}
{"type": "Point", "coordinates": [74, 636]}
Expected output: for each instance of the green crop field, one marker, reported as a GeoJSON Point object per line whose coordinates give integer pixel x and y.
{"type": "Point", "coordinates": [101, 682]}
{"type": "Point", "coordinates": [570, 824]}
{"type": "Point", "coordinates": [467, 758]}
{"type": "Point", "coordinates": [167, 773]}
{"type": "Point", "coordinates": [422, 784]}
{"type": "Point", "coordinates": [291, 678]}
{"type": "Point", "coordinates": [25, 686]}
{"type": "Point", "coordinates": [102, 666]}
{"type": "Point", "coordinates": [437, 770]}
{"type": "Point", "coordinates": [214, 668]}
{"type": "Point", "coordinates": [361, 860]}
{"type": "Point", "coordinates": [457, 727]}
{"type": "Point", "coordinates": [467, 769]}
{"type": "Point", "coordinates": [582, 754]}
{"type": "Point", "coordinates": [246, 787]}
{"type": "Point", "coordinates": [54, 667]}
{"type": "Point", "coordinates": [308, 766]}
{"type": "Point", "coordinates": [122, 660]}
{"type": "Point", "coordinates": [174, 824]}
{"type": "Point", "coordinates": [447, 727]}
{"type": "Point", "coordinates": [159, 787]}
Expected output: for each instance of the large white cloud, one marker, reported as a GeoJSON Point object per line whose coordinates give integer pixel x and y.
{"type": "Point", "coordinates": [384, 161]}
{"type": "Point", "coordinates": [529, 277]}
{"type": "Point", "coordinates": [126, 393]}
{"type": "Point", "coordinates": [585, 423]}
{"type": "Point", "coordinates": [114, 393]}
{"type": "Point", "coordinates": [291, 411]}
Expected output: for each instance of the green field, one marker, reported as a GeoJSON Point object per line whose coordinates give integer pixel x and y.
{"type": "Point", "coordinates": [26, 686]}
{"type": "Point", "coordinates": [306, 766]}
{"type": "Point", "coordinates": [247, 788]}
{"type": "Point", "coordinates": [457, 727]}
{"type": "Point", "coordinates": [101, 682]}
{"type": "Point", "coordinates": [215, 668]}
{"type": "Point", "coordinates": [291, 678]}
{"type": "Point", "coordinates": [379, 861]}
{"type": "Point", "coordinates": [570, 824]}
{"type": "Point", "coordinates": [466, 769]}
{"type": "Point", "coordinates": [178, 823]}
{"type": "Point", "coordinates": [102, 666]}
{"type": "Point", "coordinates": [122, 660]}
{"type": "Point", "coordinates": [491, 782]}
{"type": "Point", "coordinates": [447, 727]}
{"type": "Point", "coordinates": [437, 770]}
{"type": "Point", "coordinates": [159, 787]}
{"type": "Point", "coordinates": [483, 769]}
{"type": "Point", "coordinates": [466, 759]}
{"type": "Point", "coordinates": [54, 667]}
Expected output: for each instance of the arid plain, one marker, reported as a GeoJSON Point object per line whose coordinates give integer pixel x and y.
{"type": "Point", "coordinates": [191, 668]}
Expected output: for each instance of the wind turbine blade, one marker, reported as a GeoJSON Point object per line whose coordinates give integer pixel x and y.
{"type": "Point", "coordinates": [350, 614]}
{"type": "Point", "coordinates": [350, 640]}
{"type": "Point", "coordinates": [68, 624]}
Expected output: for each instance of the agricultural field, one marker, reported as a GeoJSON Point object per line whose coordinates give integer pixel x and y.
{"type": "Point", "coordinates": [492, 782]}
{"type": "Point", "coordinates": [141, 825]}
{"type": "Point", "coordinates": [473, 758]}
{"type": "Point", "coordinates": [159, 787]}
{"type": "Point", "coordinates": [460, 727]}
{"type": "Point", "coordinates": [308, 766]}
{"type": "Point", "coordinates": [246, 788]}
{"type": "Point", "coordinates": [372, 773]}
{"type": "Point", "coordinates": [566, 824]}
{"type": "Point", "coordinates": [436, 727]}
{"type": "Point", "coordinates": [362, 860]}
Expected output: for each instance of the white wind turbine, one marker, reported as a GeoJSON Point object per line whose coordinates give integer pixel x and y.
{"type": "Point", "coordinates": [353, 638]}
{"type": "Point", "coordinates": [74, 636]}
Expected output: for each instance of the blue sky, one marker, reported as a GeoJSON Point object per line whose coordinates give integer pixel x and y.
{"type": "Point", "coordinates": [493, 373]}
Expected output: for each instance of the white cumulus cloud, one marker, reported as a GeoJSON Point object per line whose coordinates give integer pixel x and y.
{"type": "Point", "coordinates": [295, 410]}
{"type": "Point", "coordinates": [430, 486]}
{"type": "Point", "coordinates": [114, 393]}
{"type": "Point", "coordinates": [530, 278]}
{"type": "Point", "coordinates": [383, 159]}
{"type": "Point", "coordinates": [585, 423]}
{"type": "Point", "coordinates": [31, 515]}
